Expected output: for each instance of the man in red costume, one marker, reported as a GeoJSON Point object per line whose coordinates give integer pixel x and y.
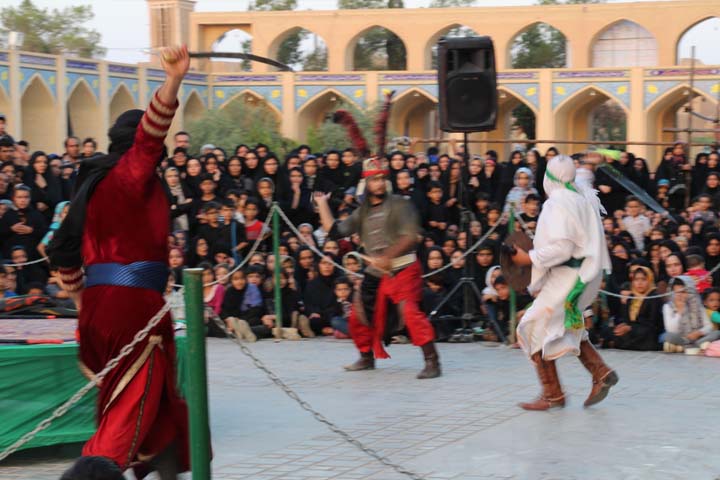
{"type": "Point", "coordinates": [117, 229]}
{"type": "Point", "coordinates": [388, 226]}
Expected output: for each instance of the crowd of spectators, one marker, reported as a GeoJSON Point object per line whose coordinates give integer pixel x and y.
{"type": "Point", "coordinates": [661, 293]}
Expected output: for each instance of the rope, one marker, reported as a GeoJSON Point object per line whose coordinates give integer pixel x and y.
{"type": "Point", "coordinates": [254, 247]}
{"type": "Point", "coordinates": [323, 255]}
{"type": "Point", "coordinates": [33, 262]}
{"type": "Point", "coordinates": [63, 409]}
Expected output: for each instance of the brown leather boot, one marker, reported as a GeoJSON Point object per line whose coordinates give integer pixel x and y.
{"type": "Point", "coordinates": [603, 377]}
{"type": "Point", "coordinates": [432, 362]}
{"type": "Point", "coordinates": [552, 395]}
{"type": "Point", "coordinates": [365, 362]}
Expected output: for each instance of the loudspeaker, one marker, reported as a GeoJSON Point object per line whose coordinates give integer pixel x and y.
{"type": "Point", "coordinates": [467, 84]}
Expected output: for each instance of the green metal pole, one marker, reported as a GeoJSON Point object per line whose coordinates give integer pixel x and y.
{"type": "Point", "coordinates": [276, 273]}
{"type": "Point", "coordinates": [513, 299]}
{"type": "Point", "coordinates": [197, 375]}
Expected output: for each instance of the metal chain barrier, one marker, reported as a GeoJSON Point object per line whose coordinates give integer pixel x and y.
{"type": "Point", "coordinates": [308, 408]}
{"type": "Point", "coordinates": [63, 409]}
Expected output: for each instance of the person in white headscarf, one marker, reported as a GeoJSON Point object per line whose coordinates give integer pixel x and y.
{"type": "Point", "coordinates": [568, 260]}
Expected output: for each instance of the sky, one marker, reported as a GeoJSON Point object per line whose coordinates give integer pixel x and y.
{"type": "Point", "coordinates": [112, 18]}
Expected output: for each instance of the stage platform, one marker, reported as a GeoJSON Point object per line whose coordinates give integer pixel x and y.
{"type": "Point", "coordinates": [38, 377]}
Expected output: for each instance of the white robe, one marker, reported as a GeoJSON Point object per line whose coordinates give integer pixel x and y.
{"type": "Point", "coordinates": [569, 226]}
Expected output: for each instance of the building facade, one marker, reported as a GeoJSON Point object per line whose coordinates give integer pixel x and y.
{"type": "Point", "coordinates": [624, 52]}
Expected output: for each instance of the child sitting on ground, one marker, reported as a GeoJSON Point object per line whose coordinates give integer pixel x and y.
{"type": "Point", "coordinates": [343, 295]}
{"type": "Point", "coordinates": [242, 309]}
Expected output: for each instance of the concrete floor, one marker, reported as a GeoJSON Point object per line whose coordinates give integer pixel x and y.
{"type": "Point", "coordinates": [657, 423]}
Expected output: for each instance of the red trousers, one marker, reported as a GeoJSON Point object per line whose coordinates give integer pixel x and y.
{"type": "Point", "coordinates": [404, 290]}
{"type": "Point", "coordinates": [139, 411]}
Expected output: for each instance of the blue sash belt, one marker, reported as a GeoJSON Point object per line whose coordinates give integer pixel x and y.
{"type": "Point", "coordinates": [150, 275]}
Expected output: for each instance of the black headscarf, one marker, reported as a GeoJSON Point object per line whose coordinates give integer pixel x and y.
{"type": "Point", "coordinates": [64, 249]}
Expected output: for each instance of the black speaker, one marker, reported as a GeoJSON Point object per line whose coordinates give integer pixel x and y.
{"type": "Point", "coordinates": [467, 84]}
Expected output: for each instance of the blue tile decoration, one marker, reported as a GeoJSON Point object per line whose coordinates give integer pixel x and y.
{"type": "Point", "coordinates": [656, 89]}
{"type": "Point", "coordinates": [37, 60]}
{"type": "Point", "coordinates": [201, 90]}
{"type": "Point", "coordinates": [131, 84]}
{"type": "Point", "coordinates": [328, 77]}
{"type": "Point", "coordinates": [152, 85]}
{"type": "Point", "coordinates": [517, 75]}
{"type": "Point", "coordinates": [653, 90]}
{"type": "Point", "coordinates": [80, 65]}
{"type": "Point", "coordinates": [430, 89]}
{"type": "Point", "coordinates": [196, 77]}
{"type": "Point", "coordinates": [619, 91]}
{"type": "Point", "coordinates": [592, 74]}
{"type": "Point", "coordinates": [247, 78]}
{"type": "Point", "coordinates": [530, 92]}
{"type": "Point", "coordinates": [49, 77]}
{"type": "Point", "coordinates": [271, 94]}
{"type": "Point", "coordinates": [353, 93]}
{"type": "Point", "coordinates": [127, 69]}
{"type": "Point", "coordinates": [4, 57]}
{"type": "Point", "coordinates": [72, 79]}
{"type": "Point", "coordinates": [408, 77]}
{"type": "Point", "coordinates": [5, 79]}
{"type": "Point", "coordinates": [155, 73]}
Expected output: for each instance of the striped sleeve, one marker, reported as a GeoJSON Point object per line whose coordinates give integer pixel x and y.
{"type": "Point", "coordinates": [158, 117]}
{"type": "Point", "coordinates": [72, 279]}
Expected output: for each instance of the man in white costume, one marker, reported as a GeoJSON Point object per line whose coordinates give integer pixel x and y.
{"type": "Point", "coordinates": [568, 260]}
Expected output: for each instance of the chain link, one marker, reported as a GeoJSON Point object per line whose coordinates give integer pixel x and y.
{"type": "Point", "coordinates": [308, 408]}
{"type": "Point", "coordinates": [63, 409]}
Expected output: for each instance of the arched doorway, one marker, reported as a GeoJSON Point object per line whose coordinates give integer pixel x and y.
{"type": "Point", "coordinates": [704, 37]}
{"type": "Point", "coordinates": [376, 48]}
{"type": "Point", "coordinates": [453, 31]}
{"type": "Point", "coordinates": [624, 44]}
{"type": "Point", "coordinates": [232, 41]}
{"type": "Point", "coordinates": [669, 111]}
{"type": "Point", "coordinates": [83, 113]}
{"type": "Point", "coordinates": [194, 109]}
{"type": "Point", "coordinates": [590, 114]}
{"type": "Point", "coordinates": [121, 101]}
{"type": "Point", "coordinates": [516, 119]}
{"type": "Point", "coordinates": [539, 46]}
{"type": "Point", "coordinates": [301, 49]}
{"type": "Point", "coordinates": [414, 114]}
{"type": "Point", "coordinates": [318, 110]}
{"type": "Point", "coordinates": [39, 120]}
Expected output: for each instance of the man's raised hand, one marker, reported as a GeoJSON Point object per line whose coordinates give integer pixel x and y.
{"type": "Point", "coordinates": [175, 61]}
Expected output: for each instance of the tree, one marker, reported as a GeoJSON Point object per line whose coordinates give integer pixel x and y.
{"type": "Point", "coordinates": [379, 48]}
{"type": "Point", "coordinates": [53, 31]}
{"type": "Point", "coordinates": [272, 5]}
{"type": "Point", "coordinates": [451, 3]}
{"type": "Point", "coordinates": [239, 122]}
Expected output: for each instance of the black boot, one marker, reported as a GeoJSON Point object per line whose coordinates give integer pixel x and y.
{"type": "Point", "coordinates": [432, 362]}
{"type": "Point", "coordinates": [365, 362]}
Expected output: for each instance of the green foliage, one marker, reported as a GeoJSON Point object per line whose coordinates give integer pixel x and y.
{"type": "Point", "coordinates": [359, 4]}
{"type": "Point", "coordinates": [540, 46]}
{"type": "Point", "coordinates": [272, 5]}
{"type": "Point", "coordinates": [239, 122]}
{"type": "Point", "coordinates": [379, 49]}
{"type": "Point", "coordinates": [451, 3]}
{"type": "Point", "coordinates": [291, 53]}
{"type": "Point", "coordinates": [609, 122]}
{"type": "Point", "coordinates": [526, 119]}
{"type": "Point", "coordinates": [53, 31]}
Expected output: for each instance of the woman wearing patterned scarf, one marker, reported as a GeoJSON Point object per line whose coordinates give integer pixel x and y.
{"type": "Point", "coordinates": [686, 322]}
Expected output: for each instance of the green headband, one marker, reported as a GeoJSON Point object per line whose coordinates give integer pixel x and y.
{"type": "Point", "coordinates": [567, 185]}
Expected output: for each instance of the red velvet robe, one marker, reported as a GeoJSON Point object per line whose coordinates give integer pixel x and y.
{"type": "Point", "coordinates": [139, 411]}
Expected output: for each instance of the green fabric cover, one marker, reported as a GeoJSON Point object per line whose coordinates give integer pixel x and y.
{"type": "Point", "coordinates": [573, 315]}
{"type": "Point", "coordinates": [36, 379]}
